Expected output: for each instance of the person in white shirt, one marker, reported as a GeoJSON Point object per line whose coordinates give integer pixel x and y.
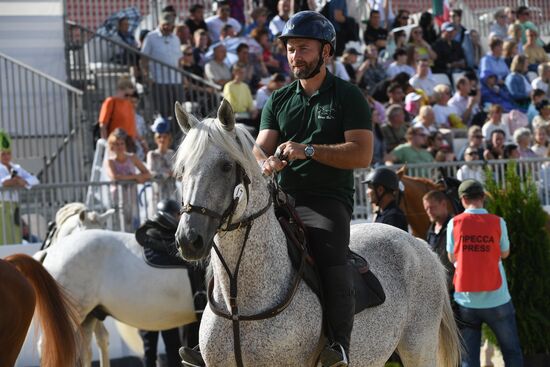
{"type": "Point", "coordinates": [541, 142]}
{"type": "Point", "coordinates": [471, 171]}
{"type": "Point", "coordinates": [543, 80]}
{"type": "Point", "coordinates": [337, 68]}
{"type": "Point", "coordinates": [215, 23]}
{"type": "Point", "coordinates": [12, 178]}
{"type": "Point", "coordinates": [276, 81]}
{"type": "Point", "coordinates": [495, 122]}
{"type": "Point", "coordinates": [465, 104]}
{"type": "Point", "coordinates": [399, 65]}
{"type": "Point", "coordinates": [423, 79]}
{"type": "Point", "coordinates": [278, 22]}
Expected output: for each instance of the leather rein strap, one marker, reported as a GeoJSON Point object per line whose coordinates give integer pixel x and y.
{"type": "Point", "coordinates": [246, 223]}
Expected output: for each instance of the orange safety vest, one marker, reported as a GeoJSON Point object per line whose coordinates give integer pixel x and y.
{"type": "Point", "coordinates": [477, 252]}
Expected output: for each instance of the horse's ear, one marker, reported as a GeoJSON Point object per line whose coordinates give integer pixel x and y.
{"type": "Point", "coordinates": [226, 115]}
{"type": "Point", "coordinates": [82, 215]}
{"type": "Point", "coordinates": [402, 171]}
{"type": "Point", "coordinates": [184, 120]}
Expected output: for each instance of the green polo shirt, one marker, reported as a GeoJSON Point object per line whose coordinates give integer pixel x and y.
{"type": "Point", "coordinates": [323, 118]}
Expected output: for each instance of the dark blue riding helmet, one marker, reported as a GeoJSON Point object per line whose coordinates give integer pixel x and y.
{"type": "Point", "coordinates": [383, 176]}
{"type": "Point", "coordinates": [312, 25]}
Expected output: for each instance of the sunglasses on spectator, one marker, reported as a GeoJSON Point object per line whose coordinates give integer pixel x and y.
{"type": "Point", "coordinates": [472, 153]}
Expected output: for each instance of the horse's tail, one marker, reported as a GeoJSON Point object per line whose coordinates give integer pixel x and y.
{"type": "Point", "coordinates": [449, 340]}
{"type": "Point", "coordinates": [55, 312]}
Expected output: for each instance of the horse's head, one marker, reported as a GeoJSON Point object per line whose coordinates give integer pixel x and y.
{"type": "Point", "coordinates": [216, 165]}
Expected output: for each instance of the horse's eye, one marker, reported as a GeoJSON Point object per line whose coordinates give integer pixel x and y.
{"type": "Point", "coordinates": [226, 167]}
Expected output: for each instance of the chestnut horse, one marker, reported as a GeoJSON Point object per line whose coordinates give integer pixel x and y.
{"type": "Point", "coordinates": [25, 284]}
{"type": "Point", "coordinates": [411, 201]}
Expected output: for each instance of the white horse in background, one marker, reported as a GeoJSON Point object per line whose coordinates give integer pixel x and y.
{"type": "Point", "coordinates": [416, 318]}
{"type": "Point", "coordinates": [106, 275]}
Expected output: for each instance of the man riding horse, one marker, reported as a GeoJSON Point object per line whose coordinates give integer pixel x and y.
{"type": "Point", "coordinates": [320, 127]}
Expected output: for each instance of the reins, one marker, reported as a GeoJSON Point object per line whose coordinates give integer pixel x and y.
{"type": "Point", "coordinates": [246, 223]}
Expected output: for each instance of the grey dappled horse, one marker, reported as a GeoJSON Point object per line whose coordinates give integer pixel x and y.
{"type": "Point", "coordinates": [223, 188]}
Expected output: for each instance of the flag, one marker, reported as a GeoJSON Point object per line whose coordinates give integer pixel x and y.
{"type": "Point", "coordinates": [441, 11]}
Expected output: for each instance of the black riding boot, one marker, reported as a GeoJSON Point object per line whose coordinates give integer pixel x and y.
{"type": "Point", "coordinates": [339, 294]}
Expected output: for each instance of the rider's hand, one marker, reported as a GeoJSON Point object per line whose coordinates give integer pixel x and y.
{"type": "Point", "coordinates": [292, 151]}
{"type": "Point", "coordinates": [273, 164]}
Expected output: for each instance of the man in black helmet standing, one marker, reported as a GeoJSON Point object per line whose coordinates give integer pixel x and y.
{"type": "Point", "coordinates": [314, 132]}
{"type": "Point", "coordinates": [383, 183]}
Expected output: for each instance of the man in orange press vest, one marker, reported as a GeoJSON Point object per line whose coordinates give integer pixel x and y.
{"type": "Point", "coordinates": [476, 243]}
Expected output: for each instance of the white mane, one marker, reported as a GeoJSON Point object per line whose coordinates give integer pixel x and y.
{"type": "Point", "coordinates": [68, 211]}
{"type": "Point", "coordinates": [237, 143]}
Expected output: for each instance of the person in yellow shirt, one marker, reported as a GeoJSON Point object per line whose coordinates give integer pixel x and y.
{"type": "Point", "coordinates": [238, 94]}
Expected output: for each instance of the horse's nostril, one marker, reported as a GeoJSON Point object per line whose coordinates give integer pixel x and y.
{"type": "Point", "coordinates": [198, 243]}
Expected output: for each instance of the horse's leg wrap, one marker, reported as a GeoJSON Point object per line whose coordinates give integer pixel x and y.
{"type": "Point", "coordinates": [339, 303]}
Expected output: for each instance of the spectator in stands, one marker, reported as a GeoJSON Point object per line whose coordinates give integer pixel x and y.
{"type": "Point", "coordinates": [216, 22]}
{"type": "Point", "coordinates": [477, 49]}
{"type": "Point", "coordinates": [239, 96]}
{"type": "Point", "coordinates": [375, 33]}
{"type": "Point", "coordinates": [509, 50]}
{"type": "Point", "coordinates": [435, 205]}
{"type": "Point", "coordinates": [349, 59]}
{"type": "Point", "coordinates": [118, 111]}
{"type": "Point", "coordinates": [499, 28]}
{"type": "Point", "coordinates": [346, 27]}
{"type": "Point", "coordinates": [522, 137]}
{"type": "Point", "coordinates": [402, 18]}
{"type": "Point", "coordinates": [166, 85]}
{"type": "Point", "coordinates": [465, 104]}
{"type": "Point", "coordinates": [450, 56]}
{"type": "Point", "coordinates": [492, 93]}
{"type": "Point", "coordinates": [227, 33]}
{"type": "Point", "coordinates": [254, 71]}
{"type": "Point", "coordinates": [196, 19]}
{"type": "Point", "coordinates": [379, 145]}
{"type": "Point", "coordinates": [533, 51]}
{"type": "Point", "coordinates": [12, 178]}
{"type": "Point", "coordinates": [200, 38]}
{"type": "Point", "coordinates": [237, 10]}
{"type": "Point", "coordinates": [495, 122]}
{"type": "Point", "coordinates": [159, 162]}
{"type": "Point", "coordinates": [462, 36]}
{"type": "Point", "coordinates": [413, 102]}
{"type": "Point", "coordinates": [517, 83]}
{"type": "Point", "coordinates": [423, 79]}
{"type": "Point", "coordinates": [395, 128]}
{"type": "Point", "coordinates": [412, 151]}
{"type": "Point", "coordinates": [435, 143]}
{"type": "Point", "coordinates": [494, 61]}
{"type": "Point", "coordinates": [471, 171]}
{"type": "Point", "coordinates": [537, 95]}
{"type": "Point", "coordinates": [475, 140]}
{"type": "Point", "coordinates": [495, 145]}
{"type": "Point", "coordinates": [514, 34]}
{"type": "Point", "coordinates": [510, 15]}
{"type": "Point", "coordinates": [511, 151]}
{"type": "Point", "coordinates": [276, 81]}
{"type": "Point", "coordinates": [123, 36]}
{"type": "Point", "coordinates": [216, 70]}
{"type": "Point", "coordinates": [524, 21]}
{"type": "Point", "coordinates": [183, 34]}
{"type": "Point", "coordinates": [396, 39]}
{"type": "Point", "coordinates": [187, 61]}
{"type": "Point", "coordinates": [121, 166]}
{"type": "Point", "coordinates": [540, 147]}
{"type": "Point", "coordinates": [278, 22]}
{"type": "Point", "coordinates": [543, 79]}
{"type": "Point", "coordinates": [374, 72]}
{"type": "Point", "coordinates": [259, 20]}
{"type": "Point", "coordinates": [385, 11]}
{"type": "Point", "coordinates": [395, 95]}
{"type": "Point", "coordinates": [279, 54]}
{"type": "Point", "coordinates": [426, 22]}
{"type": "Point", "coordinates": [337, 68]}
{"type": "Point", "coordinates": [426, 120]}
{"type": "Point", "coordinates": [262, 37]}
{"type": "Point", "coordinates": [423, 48]}
{"type": "Point", "coordinates": [442, 111]}
{"type": "Point", "coordinates": [543, 118]}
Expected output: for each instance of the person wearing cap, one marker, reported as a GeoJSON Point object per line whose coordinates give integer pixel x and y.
{"type": "Point", "coordinates": [382, 186]}
{"type": "Point", "coordinates": [163, 45]}
{"type": "Point", "coordinates": [476, 243]}
{"type": "Point", "coordinates": [13, 177]}
{"type": "Point", "coordinates": [315, 132]}
{"type": "Point", "coordinates": [216, 22]}
{"type": "Point", "coordinates": [422, 79]}
{"type": "Point", "coordinates": [450, 55]}
{"type": "Point", "coordinates": [349, 59]}
{"type": "Point", "coordinates": [159, 162]}
{"type": "Point", "coordinates": [413, 101]}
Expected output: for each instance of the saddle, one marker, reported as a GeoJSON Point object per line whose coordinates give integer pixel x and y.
{"type": "Point", "coordinates": [368, 290]}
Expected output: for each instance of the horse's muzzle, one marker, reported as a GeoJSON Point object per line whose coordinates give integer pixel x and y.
{"type": "Point", "coordinates": [191, 245]}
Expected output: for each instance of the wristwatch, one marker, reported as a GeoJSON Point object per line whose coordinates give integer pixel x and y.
{"type": "Point", "coordinates": [309, 151]}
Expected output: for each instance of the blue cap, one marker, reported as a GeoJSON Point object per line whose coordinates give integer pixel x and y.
{"type": "Point", "coordinates": [161, 125]}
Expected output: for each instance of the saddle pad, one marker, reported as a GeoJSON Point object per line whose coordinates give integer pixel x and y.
{"type": "Point", "coordinates": [159, 259]}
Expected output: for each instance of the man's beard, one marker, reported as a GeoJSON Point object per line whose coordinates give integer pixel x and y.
{"type": "Point", "coordinates": [305, 69]}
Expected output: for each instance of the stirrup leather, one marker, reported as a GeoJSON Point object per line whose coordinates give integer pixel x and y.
{"type": "Point", "coordinates": [334, 355]}
{"type": "Point", "coordinates": [191, 357]}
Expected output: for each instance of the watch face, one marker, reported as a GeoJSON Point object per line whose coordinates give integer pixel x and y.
{"type": "Point", "coordinates": [309, 151]}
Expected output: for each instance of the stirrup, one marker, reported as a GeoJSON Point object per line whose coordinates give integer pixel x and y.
{"type": "Point", "coordinates": [334, 355]}
{"type": "Point", "coordinates": [191, 357]}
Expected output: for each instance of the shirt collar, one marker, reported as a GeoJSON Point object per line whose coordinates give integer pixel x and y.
{"type": "Point", "coordinates": [327, 83]}
{"type": "Point", "coordinates": [476, 211]}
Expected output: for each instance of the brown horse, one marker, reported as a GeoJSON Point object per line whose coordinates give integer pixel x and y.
{"type": "Point", "coordinates": [24, 284]}
{"type": "Point", "coordinates": [411, 201]}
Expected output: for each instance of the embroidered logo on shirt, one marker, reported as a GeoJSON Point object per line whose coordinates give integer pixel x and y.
{"type": "Point", "coordinates": [325, 113]}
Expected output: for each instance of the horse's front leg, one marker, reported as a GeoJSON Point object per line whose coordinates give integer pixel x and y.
{"type": "Point", "coordinates": [88, 327]}
{"type": "Point", "coordinates": [102, 340]}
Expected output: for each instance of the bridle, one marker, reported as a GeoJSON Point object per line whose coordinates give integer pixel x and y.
{"type": "Point", "coordinates": [246, 223]}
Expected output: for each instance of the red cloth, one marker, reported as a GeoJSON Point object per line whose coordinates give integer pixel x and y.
{"type": "Point", "coordinates": [477, 252]}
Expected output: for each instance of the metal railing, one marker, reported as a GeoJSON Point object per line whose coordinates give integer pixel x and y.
{"type": "Point", "coordinates": [96, 62]}
{"type": "Point", "coordinates": [43, 116]}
